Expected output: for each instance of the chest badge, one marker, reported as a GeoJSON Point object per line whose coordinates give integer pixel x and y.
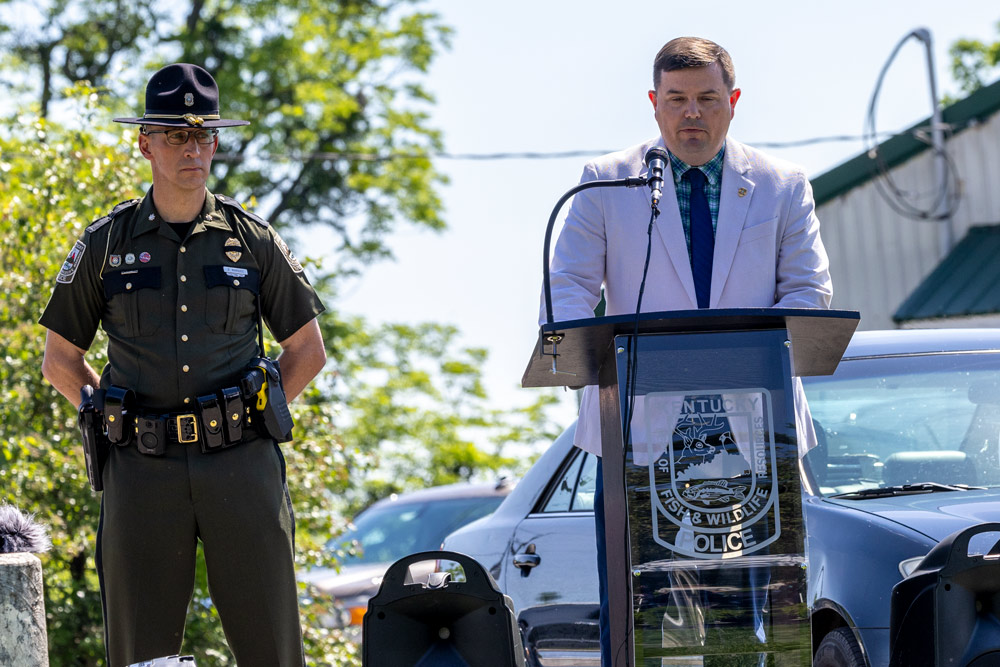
{"type": "Point", "coordinates": [742, 192]}
{"type": "Point", "coordinates": [130, 258]}
{"type": "Point", "coordinates": [115, 260]}
{"type": "Point", "coordinates": [234, 250]}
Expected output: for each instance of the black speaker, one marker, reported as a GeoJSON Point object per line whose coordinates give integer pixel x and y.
{"type": "Point", "coordinates": [440, 623]}
{"type": "Point", "coordinates": [949, 607]}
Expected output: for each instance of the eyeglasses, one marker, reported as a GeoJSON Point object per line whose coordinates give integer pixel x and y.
{"type": "Point", "coordinates": [181, 137]}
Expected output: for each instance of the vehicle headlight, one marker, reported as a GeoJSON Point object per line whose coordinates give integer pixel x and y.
{"type": "Point", "coordinates": [906, 567]}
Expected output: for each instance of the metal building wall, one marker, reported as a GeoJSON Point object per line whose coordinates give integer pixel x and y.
{"type": "Point", "coordinates": [877, 256]}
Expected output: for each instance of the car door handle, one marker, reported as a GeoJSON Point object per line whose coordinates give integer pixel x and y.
{"type": "Point", "coordinates": [527, 559]}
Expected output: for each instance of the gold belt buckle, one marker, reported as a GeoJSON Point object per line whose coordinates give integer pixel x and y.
{"type": "Point", "coordinates": [187, 429]}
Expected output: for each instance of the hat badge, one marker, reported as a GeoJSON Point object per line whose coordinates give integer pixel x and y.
{"type": "Point", "coordinates": [189, 99]}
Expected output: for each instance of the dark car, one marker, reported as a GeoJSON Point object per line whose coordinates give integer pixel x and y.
{"type": "Point", "coordinates": [908, 453]}
{"type": "Point", "coordinates": [385, 532]}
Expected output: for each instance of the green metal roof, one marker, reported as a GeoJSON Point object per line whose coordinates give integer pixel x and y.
{"type": "Point", "coordinates": [860, 169]}
{"type": "Point", "coordinates": [966, 282]}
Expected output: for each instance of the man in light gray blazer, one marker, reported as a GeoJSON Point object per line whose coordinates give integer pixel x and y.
{"type": "Point", "coordinates": [767, 247]}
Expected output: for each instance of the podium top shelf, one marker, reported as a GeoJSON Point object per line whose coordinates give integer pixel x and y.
{"type": "Point", "coordinates": [819, 338]}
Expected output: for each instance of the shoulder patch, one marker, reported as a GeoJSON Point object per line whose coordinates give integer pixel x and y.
{"type": "Point", "coordinates": [232, 203]}
{"type": "Point", "coordinates": [119, 207]}
{"type": "Point", "coordinates": [72, 263]}
{"type": "Point", "coordinates": [287, 252]}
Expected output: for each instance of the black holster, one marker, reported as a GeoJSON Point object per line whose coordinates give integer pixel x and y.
{"type": "Point", "coordinates": [95, 443]}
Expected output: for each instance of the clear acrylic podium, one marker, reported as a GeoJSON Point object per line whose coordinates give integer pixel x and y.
{"type": "Point", "coordinates": [706, 553]}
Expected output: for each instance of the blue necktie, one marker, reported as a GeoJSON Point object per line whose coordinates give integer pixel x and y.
{"type": "Point", "coordinates": [702, 237]}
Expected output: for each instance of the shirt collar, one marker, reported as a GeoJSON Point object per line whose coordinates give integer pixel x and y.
{"type": "Point", "coordinates": [712, 169]}
{"type": "Point", "coordinates": [149, 219]}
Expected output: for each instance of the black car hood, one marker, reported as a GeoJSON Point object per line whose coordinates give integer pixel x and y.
{"type": "Point", "coordinates": [936, 515]}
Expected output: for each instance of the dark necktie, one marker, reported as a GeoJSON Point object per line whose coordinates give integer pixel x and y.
{"type": "Point", "coordinates": [702, 237]}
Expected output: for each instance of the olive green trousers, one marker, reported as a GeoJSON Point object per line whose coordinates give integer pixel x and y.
{"type": "Point", "coordinates": [154, 511]}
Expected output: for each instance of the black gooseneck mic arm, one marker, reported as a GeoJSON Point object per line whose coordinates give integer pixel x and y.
{"type": "Point", "coordinates": [630, 182]}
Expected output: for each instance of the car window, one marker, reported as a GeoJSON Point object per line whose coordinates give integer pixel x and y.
{"type": "Point", "coordinates": [583, 500]}
{"type": "Point", "coordinates": [904, 420]}
{"type": "Point", "coordinates": [386, 533]}
{"type": "Point", "coordinates": [574, 490]}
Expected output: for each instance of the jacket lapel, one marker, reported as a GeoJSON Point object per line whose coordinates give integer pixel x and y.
{"type": "Point", "coordinates": [733, 209]}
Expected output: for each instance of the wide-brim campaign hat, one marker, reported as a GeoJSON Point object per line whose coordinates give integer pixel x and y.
{"type": "Point", "coordinates": [182, 95]}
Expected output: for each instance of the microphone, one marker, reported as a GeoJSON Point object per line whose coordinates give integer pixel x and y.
{"type": "Point", "coordinates": [656, 159]}
{"type": "Point", "coordinates": [20, 534]}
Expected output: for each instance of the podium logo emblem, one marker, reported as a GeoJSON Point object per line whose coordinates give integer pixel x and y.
{"type": "Point", "coordinates": [713, 489]}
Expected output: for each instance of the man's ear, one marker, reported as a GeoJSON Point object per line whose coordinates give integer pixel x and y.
{"type": "Point", "coordinates": [144, 146]}
{"type": "Point", "coordinates": [733, 98]}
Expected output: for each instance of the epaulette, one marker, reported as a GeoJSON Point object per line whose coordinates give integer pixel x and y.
{"type": "Point", "coordinates": [232, 203]}
{"type": "Point", "coordinates": [119, 207]}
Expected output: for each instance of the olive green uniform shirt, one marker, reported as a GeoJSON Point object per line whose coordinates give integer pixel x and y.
{"type": "Point", "coordinates": [180, 314]}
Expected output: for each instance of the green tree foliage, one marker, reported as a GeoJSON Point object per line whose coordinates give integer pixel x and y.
{"type": "Point", "coordinates": [414, 407]}
{"type": "Point", "coordinates": [973, 60]}
{"type": "Point", "coordinates": [339, 136]}
{"type": "Point", "coordinates": [54, 182]}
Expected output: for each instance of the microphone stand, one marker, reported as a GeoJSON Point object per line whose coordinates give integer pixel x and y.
{"type": "Point", "coordinates": [553, 337]}
{"type": "Point", "coordinates": [630, 182]}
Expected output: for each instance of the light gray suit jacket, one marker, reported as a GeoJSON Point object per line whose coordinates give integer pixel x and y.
{"type": "Point", "coordinates": [768, 250]}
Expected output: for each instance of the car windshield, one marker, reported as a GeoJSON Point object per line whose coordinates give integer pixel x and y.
{"type": "Point", "coordinates": [386, 533]}
{"type": "Point", "coordinates": [907, 420]}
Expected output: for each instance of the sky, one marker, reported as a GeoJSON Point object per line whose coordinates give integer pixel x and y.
{"type": "Point", "coordinates": [558, 76]}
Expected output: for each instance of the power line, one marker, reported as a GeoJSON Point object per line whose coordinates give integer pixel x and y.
{"type": "Point", "coordinates": [354, 156]}
{"type": "Point", "coordinates": [512, 155]}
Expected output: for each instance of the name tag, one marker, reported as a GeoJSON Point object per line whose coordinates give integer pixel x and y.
{"type": "Point", "coordinates": [235, 271]}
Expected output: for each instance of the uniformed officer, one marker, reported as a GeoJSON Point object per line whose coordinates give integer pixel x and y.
{"type": "Point", "coordinates": [180, 280]}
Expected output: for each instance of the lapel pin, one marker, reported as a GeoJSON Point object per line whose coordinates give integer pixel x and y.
{"type": "Point", "coordinates": [742, 192]}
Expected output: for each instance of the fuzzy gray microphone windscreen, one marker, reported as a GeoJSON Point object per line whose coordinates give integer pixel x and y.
{"type": "Point", "coordinates": [20, 534]}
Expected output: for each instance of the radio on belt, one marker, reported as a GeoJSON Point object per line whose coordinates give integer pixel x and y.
{"type": "Point", "coordinates": [264, 381]}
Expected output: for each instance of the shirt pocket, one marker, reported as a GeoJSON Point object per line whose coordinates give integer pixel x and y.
{"type": "Point", "coordinates": [759, 230]}
{"type": "Point", "coordinates": [230, 302]}
{"type": "Point", "coordinates": [134, 302]}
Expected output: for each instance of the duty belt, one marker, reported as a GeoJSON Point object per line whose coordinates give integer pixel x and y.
{"type": "Point", "coordinates": [216, 424]}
